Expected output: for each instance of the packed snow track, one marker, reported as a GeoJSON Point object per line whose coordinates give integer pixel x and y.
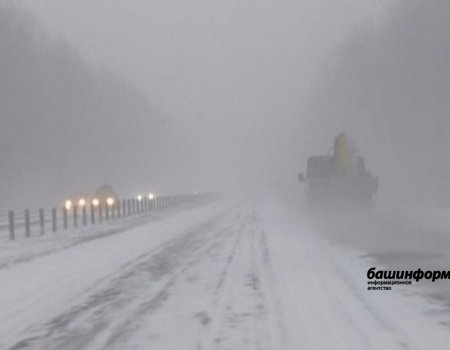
{"type": "Point", "coordinates": [223, 276]}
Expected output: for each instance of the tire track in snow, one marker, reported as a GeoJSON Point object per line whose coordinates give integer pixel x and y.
{"type": "Point", "coordinates": [224, 263]}
{"type": "Point", "coordinates": [244, 315]}
{"type": "Point", "coordinates": [273, 298]}
{"type": "Point", "coordinates": [127, 327]}
{"type": "Point", "coordinates": [144, 281]}
{"type": "Point", "coordinates": [215, 254]}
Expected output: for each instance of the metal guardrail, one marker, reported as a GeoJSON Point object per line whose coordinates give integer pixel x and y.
{"type": "Point", "coordinates": [56, 219]}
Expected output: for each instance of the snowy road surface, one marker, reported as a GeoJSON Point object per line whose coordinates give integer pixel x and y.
{"type": "Point", "coordinates": [247, 275]}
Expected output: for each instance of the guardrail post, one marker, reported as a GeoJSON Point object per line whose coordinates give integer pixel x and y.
{"type": "Point", "coordinates": [118, 208]}
{"type": "Point", "coordinates": [12, 231]}
{"type": "Point", "coordinates": [27, 223]}
{"type": "Point", "coordinates": [129, 206]}
{"type": "Point", "coordinates": [84, 215]}
{"type": "Point", "coordinates": [113, 210]}
{"type": "Point", "coordinates": [106, 211]}
{"type": "Point", "coordinates": [65, 222]}
{"type": "Point", "coordinates": [92, 214]}
{"type": "Point", "coordinates": [41, 221]}
{"type": "Point", "coordinates": [54, 221]}
{"type": "Point", "coordinates": [100, 213]}
{"type": "Point", "coordinates": [124, 207]}
{"type": "Point", "coordinates": [75, 216]}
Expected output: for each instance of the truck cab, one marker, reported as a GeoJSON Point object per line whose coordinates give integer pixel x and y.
{"type": "Point", "coordinates": [340, 176]}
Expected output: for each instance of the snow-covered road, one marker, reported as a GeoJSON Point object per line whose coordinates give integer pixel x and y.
{"type": "Point", "coordinates": [229, 275]}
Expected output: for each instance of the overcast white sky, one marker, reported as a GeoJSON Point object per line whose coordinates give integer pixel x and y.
{"type": "Point", "coordinates": [154, 42]}
{"type": "Point", "coordinates": [232, 75]}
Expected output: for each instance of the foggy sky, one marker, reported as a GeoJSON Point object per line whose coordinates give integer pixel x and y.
{"type": "Point", "coordinates": [233, 75]}
{"type": "Point", "coordinates": [65, 128]}
{"type": "Point", "coordinates": [232, 78]}
{"type": "Point", "coordinates": [390, 86]}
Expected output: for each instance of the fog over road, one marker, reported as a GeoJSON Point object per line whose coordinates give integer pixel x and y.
{"type": "Point", "coordinates": [231, 274]}
{"type": "Point", "coordinates": [179, 129]}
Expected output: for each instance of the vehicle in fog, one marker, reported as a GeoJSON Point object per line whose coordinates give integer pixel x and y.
{"type": "Point", "coordinates": [104, 195]}
{"type": "Point", "coordinates": [341, 175]}
{"type": "Point", "coordinates": [105, 192]}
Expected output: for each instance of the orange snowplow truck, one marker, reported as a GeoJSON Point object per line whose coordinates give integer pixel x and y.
{"type": "Point", "coordinates": [341, 175]}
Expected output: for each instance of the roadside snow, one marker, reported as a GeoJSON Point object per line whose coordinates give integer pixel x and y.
{"type": "Point", "coordinates": [230, 275]}
{"type": "Point", "coordinates": [323, 289]}
{"type": "Point", "coordinates": [32, 292]}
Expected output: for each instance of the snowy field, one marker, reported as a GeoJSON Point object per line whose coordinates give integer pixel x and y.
{"type": "Point", "coordinates": [227, 275]}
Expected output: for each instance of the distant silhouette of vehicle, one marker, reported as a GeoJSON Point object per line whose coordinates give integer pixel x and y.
{"type": "Point", "coordinates": [340, 176]}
